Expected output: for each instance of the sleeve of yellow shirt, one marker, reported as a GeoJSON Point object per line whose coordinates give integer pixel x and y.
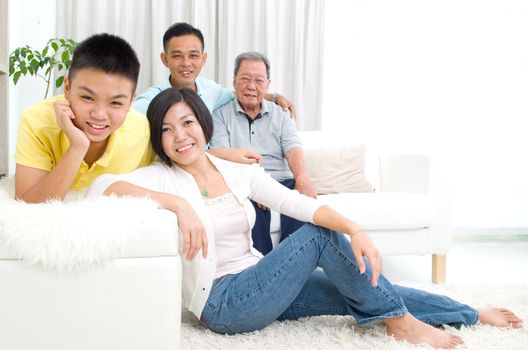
{"type": "Point", "coordinates": [32, 149]}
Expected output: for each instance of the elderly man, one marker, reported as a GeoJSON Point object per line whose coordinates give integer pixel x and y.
{"type": "Point", "coordinates": [251, 122]}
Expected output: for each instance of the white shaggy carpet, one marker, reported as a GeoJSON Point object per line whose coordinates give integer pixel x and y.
{"type": "Point", "coordinates": [334, 332]}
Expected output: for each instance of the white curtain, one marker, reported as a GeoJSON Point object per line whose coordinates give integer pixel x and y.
{"type": "Point", "coordinates": [290, 33]}
{"type": "Point", "coordinates": [141, 22]}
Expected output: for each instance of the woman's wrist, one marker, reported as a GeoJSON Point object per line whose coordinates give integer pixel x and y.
{"type": "Point", "coordinates": [355, 230]}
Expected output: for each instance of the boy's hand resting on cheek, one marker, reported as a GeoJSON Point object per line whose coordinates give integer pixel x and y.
{"type": "Point", "coordinates": [78, 139]}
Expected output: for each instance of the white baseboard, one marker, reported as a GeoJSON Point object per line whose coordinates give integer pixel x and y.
{"type": "Point", "coordinates": [489, 234]}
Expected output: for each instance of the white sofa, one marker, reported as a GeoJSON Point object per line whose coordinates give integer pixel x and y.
{"type": "Point", "coordinates": [133, 300]}
{"type": "Point", "coordinates": [129, 300]}
{"type": "Point", "coordinates": [407, 214]}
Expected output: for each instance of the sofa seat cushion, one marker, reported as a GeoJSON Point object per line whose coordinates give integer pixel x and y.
{"type": "Point", "coordinates": [382, 211]}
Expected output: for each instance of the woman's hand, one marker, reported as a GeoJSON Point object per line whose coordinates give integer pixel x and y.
{"type": "Point", "coordinates": [192, 230]}
{"type": "Point", "coordinates": [362, 246]}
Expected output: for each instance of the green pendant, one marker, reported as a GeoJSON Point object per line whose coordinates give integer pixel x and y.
{"type": "Point", "coordinates": [205, 193]}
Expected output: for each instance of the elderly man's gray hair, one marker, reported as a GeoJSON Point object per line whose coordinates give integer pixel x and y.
{"type": "Point", "coordinates": [252, 56]}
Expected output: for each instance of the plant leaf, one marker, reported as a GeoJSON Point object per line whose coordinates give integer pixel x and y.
{"type": "Point", "coordinates": [16, 77]}
{"type": "Point", "coordinates": [59, 81]}
{"type": "Point", "coordinates": [65, 56]}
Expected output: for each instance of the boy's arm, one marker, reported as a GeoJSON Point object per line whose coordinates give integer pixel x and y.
{"type": "Point", "coordinates": [38, 185]}
{"type": "Point", "coordinates": [34, 185]}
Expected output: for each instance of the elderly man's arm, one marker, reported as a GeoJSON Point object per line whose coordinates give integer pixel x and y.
{"type": "Point", "coordinates": [295, 158]}
{"type": "Point", "coordinates": [220, 146]}
{"type": "Point", "coordinates": [237, 155]}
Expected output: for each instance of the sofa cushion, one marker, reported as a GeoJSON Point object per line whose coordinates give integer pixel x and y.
{"type": "Point", "coordinates": [337, 170]}
{"type": "Point", "coordinates": [382, 211]}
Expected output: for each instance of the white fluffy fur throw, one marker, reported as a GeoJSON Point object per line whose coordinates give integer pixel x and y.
{"type": "Point", "coordinates": [69, 235]}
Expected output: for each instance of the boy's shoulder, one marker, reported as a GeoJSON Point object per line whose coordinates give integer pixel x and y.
{"type": "Point", "coordinates": [42, 114]}
{"type": "Point", "coordinates": [135, 123]}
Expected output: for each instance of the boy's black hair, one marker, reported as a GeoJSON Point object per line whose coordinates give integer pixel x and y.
{"type": "Point", "coordinates": [180, 29]}
{"type": "Point", "coordinates": [108, 53]}
{"type": "Point", "coordinates": [159, 106]}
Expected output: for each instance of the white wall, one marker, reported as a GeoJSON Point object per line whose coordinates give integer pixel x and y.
{"type": "Point", "coordinates": [31, 22]}
{"type": "Point", "coordinates": [449, 78]}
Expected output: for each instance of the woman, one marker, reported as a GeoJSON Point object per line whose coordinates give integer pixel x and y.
{"type": "Point", "coordinates": [230, 287]}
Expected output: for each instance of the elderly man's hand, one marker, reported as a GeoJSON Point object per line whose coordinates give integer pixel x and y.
{"type": "Point", "coordinates": [286, 105]}
{"type": "Point", "coordinates": [246, 156]}
{"type": "Point", "coordinates": [304, 186]}
{"type": "Point", "coordinates": [237, 155]}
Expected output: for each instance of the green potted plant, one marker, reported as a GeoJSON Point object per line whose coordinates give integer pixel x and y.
{"type": "Point", "coordinates": [55, 56]}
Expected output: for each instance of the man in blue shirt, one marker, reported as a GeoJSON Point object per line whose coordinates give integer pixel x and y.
{"type": "Point", "coordinates": [251, 122]}
{"type": "Point", "coordinates": [183, 54]}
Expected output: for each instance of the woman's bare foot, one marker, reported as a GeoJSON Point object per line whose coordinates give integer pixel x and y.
{"type": "Point", "coordinates": [499, 318]}
{"type": "Point", "coordinates": [416, 332]}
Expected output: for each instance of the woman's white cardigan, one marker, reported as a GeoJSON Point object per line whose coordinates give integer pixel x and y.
{"type": "Point", "coordinates": [245, 182]}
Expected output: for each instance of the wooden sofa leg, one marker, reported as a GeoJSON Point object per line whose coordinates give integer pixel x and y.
{"type": "Point", "coordinates": [439, 268]}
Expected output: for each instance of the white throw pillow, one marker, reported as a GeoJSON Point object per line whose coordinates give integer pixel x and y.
{"type": "Point", "coordinates": [337, 170]}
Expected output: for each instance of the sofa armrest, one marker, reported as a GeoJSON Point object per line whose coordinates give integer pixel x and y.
{"type": "Point", "coordinates": [423, 175]}
{"type": "Point", "coordinates": [405, 173]}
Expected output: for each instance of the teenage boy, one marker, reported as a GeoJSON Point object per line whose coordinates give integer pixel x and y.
{"type": "Point", "coordinates": [183, 54]}
{"type": "Point", "coordinates": [67, 141]}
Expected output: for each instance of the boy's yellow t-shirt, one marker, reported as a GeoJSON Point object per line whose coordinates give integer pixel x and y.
{"type": "Point", "coordinates": [42, 143]}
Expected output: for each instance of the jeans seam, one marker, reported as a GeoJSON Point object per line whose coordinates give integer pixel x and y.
{"type": "Point", "coordinates": [319, 308]}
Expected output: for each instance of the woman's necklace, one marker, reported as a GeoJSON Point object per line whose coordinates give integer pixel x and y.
{"type": "Point", "coordinates": [204, 190]}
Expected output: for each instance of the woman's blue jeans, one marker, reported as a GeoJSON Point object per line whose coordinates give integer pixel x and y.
{"type": "Point", "coordinates": [285, 285]}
